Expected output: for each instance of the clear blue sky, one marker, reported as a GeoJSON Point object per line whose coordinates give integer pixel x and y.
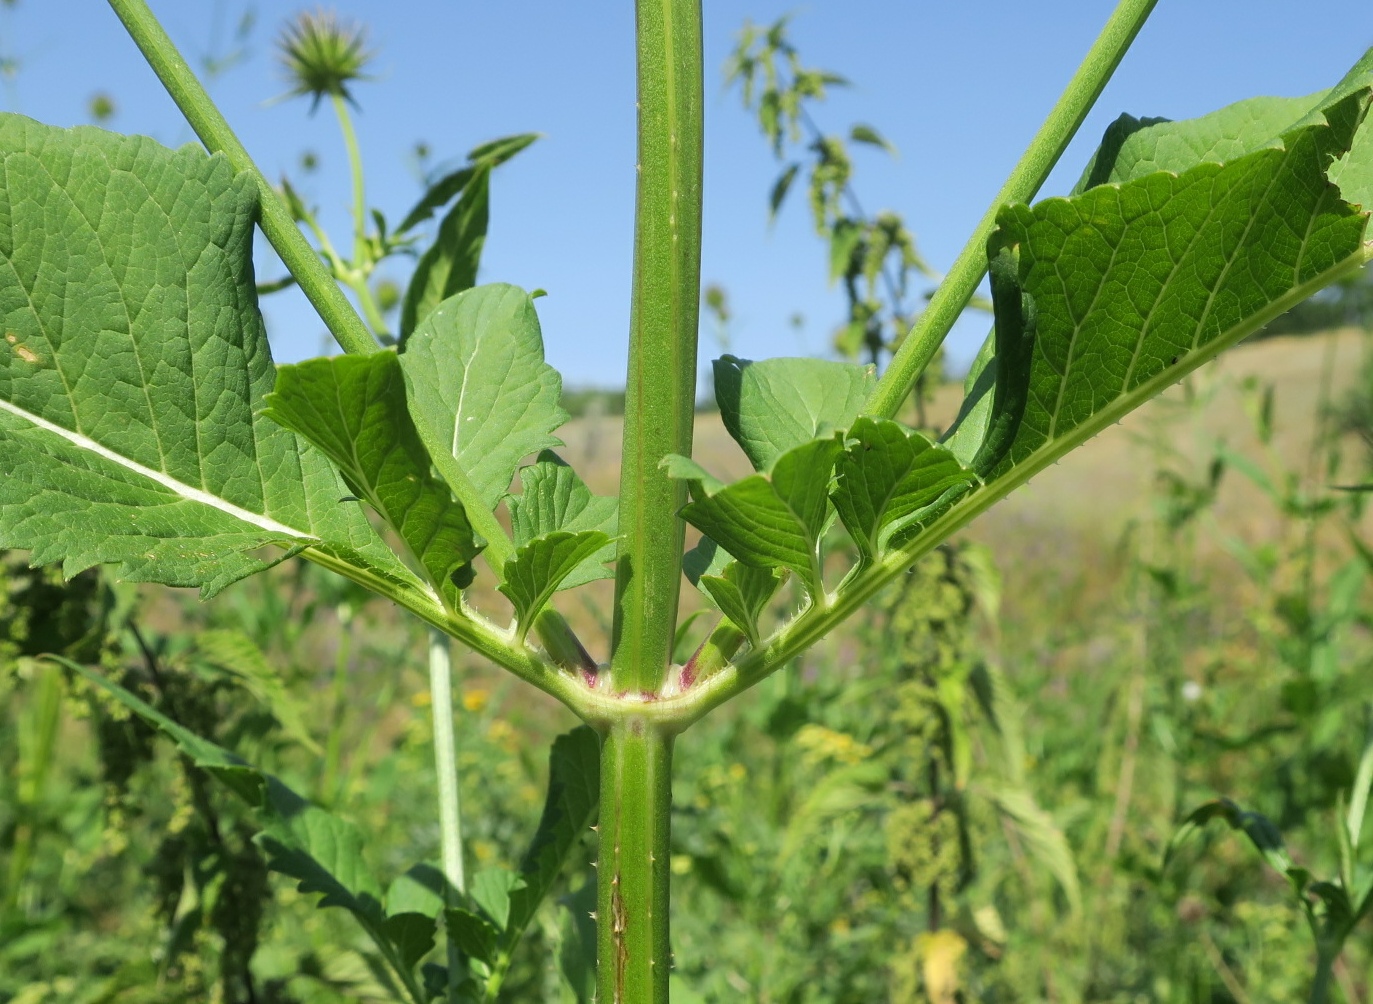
{"type": "Point", "coordinates": [958, 87]}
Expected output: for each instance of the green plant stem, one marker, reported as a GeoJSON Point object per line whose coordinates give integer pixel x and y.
{"type": "Point", "coordinates": [1029, 174]}
{"type": "Point", "coordinates": [214, 131]}
{"type": "Point", "coordinates": [450, 803]}
{"type": "Point", "coordinates": [1325, 975]}
{"type": "Point", "coordinates": [660, 390]}
{"type": "Point", "coordinates": [632, 944]}
{"type": "Point", "coordinates": [350, 142]}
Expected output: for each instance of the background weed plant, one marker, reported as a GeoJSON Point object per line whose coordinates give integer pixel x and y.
{"type": "Point", "coordinates": [144, 427]}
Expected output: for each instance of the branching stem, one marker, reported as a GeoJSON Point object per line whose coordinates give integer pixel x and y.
{"type": "Point", "coordinates": [1029, 174]}
{"type": "Point", "coordinates": [214, 131]}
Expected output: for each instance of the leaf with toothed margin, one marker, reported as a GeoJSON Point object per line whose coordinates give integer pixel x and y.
{"type": "Point", "coordinates": [353, 408]}
{"type": "Point", "coordinates": [888, 477]}
{"type": "Point", "coordinates": [552, 498]}
{"type": "Point", "coordinates": [132, 363]}
{"type": "Point", "coordinates": [479, 391]}
{"type": "Point", "coordinates": [742, 593]}
{"type": "Point", "coordinates": [775, 405]}
{"type": "Point", "coordinates": [768, 520]}
{"type": "Point", "coordinates": [539, 567]}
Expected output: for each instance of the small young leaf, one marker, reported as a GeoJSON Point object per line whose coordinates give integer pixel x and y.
{"type": "Point", "coordinates": [412, 934]}
{"type": "Point", "coordinates": [742, 593]}
{"type": "Point", "coordinates": [888, 478]}
{"type": "Point", "coordinates": [479, 391]}
{"type": "Point", "coordinates": [554, 498]}
{"type": "Point", "coordinates": [476, 936]}
{"type": "Point", "coordinates": [354, 409]}
{"type": "Point", "coordinates": [771, 406]}
{"type": "Point", "coordinates": [780, 188]}
{"type": "Point", "coordinates": [450, 186]}
{"type": "Point", "coordinates": [773, 520]}
{"type": "Point", "coordinates": [540, 566]}
{"type": "Point", "coordinates": [450, 264]}
{"type": "Point", "coordinates": [867, 134]}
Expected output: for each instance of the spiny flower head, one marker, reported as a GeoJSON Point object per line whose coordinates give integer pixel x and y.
{"type": "Point", "coordinates": [322, 54]}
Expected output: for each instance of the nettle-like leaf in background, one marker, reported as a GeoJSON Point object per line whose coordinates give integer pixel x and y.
{"type": "Point", "coordinates": [479, 391]}
{"type": "Point", "coordinates": [768, 520]}
{"type": "Point", "coordinates": [890, 480]}
{"type": "Point", "coordinates": [133, 360]}
{"type": "Point", "coordinates": [773, 405]}
{"type": "Point", "coordinates": [553, 497]}
{"type": "Point", "coordinates": [353, 408]}
{"type": "Point", "coordinates": [322, 852]}
{"type": "Point", "coordinates": [1133, 285]}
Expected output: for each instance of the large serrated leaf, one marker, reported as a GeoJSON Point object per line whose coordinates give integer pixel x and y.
{"type": "Point", "coordinates": [888, 477]}
{"type": "Point", "coordinates": [354, 409]}
{"type": "Point", "coordinates": [320, 851]}
{"type": "Point", "coordinates": [553, 497]}
{"type": "Point", "coordinates": [479, 391]}
{"type": "Point", "coordinates": [768, 520]}
{"type": "Point", "coordinates": [132, 362]}
{"type": "Point", "coordinates": [774, 405]}
{"type": "Point", "coordinates": [1135, 285]}
{"type": "Point", "coordinates": [539, 567]}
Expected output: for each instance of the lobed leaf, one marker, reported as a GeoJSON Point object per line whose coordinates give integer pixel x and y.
{"type": "Point", "coordinates": [774, 405]}
{"type": "Point", "coordinates": [540, 567]}
{"type": "Point", "coordinates": [769, 520]}
{"type": "Point", "coordinates": [132, 363]}
{"type": "Point", "coordinates": [890, 479]}
{"type": "Point", "coordinates": [479, 391]}
{"type": "Point", "coordinates": [354, 409]}
{"type": "Point", "coordinates": [553, 498]}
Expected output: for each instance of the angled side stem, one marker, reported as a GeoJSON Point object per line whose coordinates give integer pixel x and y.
{"type": "Point", "coordinates": [214, 131]}
{"type": "Point", "coordinates": [660, 390]}
{"type": "Point", "coordinates": [1025, 179]}
{"type": "Point", "coordinates": [633, 875]}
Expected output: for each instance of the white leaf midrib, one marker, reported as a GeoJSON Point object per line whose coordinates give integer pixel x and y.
{"type": "Point", "coordinates": [180, 488]}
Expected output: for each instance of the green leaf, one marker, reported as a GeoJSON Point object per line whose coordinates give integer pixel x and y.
{"type": "Point", "coordinates": [320, 851]}
{"type": "Point", "coordinates": [450, 186]}
{"type": "Point", "coordinates": [450, 264]}
{"type": "Point", "coordinates": [706, 558]}
{"type": "Point", "coordinates": [771, 406]}
{"type": "Point", "coordinates": [890, 479]}
{"type": "Point", "coordinates": [491, 889]}
{"type": "Point", "coordinates": [422, 889]}
{"type": "Point", "coordinates": [780, 188]}
{"type": "Point", "coordinates": [742, 593]}
{"type": "Point", "coordinates": [235, 654]}
{"type": "Point", "coordinates": [412, 934]}
{"type": "Point", "coordinates": [574, 791]}
{"type": "Point", "coordinates": [554, 498]}
{"type": "Point", "coordinates": [354, 409]}
{"type": "Point", "coordinates": [773, 520]}
{"type": "Point", "coordinates": [129, 383]}
{"type": "Point", "coordinates": [867, 134]}
{"type": "Point", "coordinates": [479, 391]}
{"type": "Point", "coordinates": [1261, 831]}
{"type": "Point", "coordinates": [1135, 285]}
{"type": "Point", "coordinates": [1042, 838]}
{"type": "Point", "coordinates": [539, 568]}
{"type": "Point", "coordinates": [476, 936]}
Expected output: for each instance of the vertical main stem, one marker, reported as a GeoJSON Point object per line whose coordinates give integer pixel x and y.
{"type": "Point", "coordinates": [632, 944]}
{"type": "Point", "coordinates": [450, 806]}
{"type": "Point", "coordinates": [660, 390]}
